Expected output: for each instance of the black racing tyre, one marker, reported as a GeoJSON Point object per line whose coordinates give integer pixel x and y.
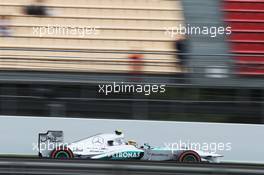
{"type": "Point", "coordinates": [189, 157]}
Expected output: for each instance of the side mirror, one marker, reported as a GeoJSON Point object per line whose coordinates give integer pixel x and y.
{"type": "Point", "coordinates": [147, 145]}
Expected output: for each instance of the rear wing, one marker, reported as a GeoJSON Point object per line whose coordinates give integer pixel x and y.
{"type": "Point", "coordinates": [48, 141]}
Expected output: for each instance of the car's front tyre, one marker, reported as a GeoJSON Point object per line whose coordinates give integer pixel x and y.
{"type": "Point", "coordinates": [189, 157]}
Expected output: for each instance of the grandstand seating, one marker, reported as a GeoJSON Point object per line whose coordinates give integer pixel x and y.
{"type": "Point", "coordinates": [122, 26]}
{"type": "Point", "coordinates": [246, 17]}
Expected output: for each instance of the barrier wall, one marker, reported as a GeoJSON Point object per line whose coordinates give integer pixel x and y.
{"type": "Point", "coordinates": [17, 134]}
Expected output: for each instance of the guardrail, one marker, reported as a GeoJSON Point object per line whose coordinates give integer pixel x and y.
{"type": "Point", "coordinates": [70, 167]}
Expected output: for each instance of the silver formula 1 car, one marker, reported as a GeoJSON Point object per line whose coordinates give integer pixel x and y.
{"type": "Point", "coordinates": [112, 146]}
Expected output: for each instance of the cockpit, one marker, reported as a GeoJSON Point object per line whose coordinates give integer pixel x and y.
{"type": "Point", "coordinates": [116, 142]}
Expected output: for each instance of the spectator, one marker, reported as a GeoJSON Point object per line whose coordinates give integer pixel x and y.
{"type": "Point", "coordinates": [37, 8]}
{"type": "Point", "coordinates": [181, 48]}
{"type": "Point", "coordinates": [5, 26]}
{"type": "Point", "coordinates": [136, 60]}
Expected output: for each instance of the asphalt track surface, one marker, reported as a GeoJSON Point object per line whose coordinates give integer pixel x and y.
{"type": "Point", "coordinates": [37, 166]}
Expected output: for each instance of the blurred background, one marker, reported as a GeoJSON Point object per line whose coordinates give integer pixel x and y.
{"type": "Point", "coordinates": [54, 54]}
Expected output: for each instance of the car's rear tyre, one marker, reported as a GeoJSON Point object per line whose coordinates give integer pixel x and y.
{"type": "Point", "coordinates": [62, 153]}
{"type": "Point", "coordinates": [189, 157]}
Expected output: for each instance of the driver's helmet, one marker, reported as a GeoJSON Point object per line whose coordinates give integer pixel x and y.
{"type": "Point", "coordinates": [132, 142]}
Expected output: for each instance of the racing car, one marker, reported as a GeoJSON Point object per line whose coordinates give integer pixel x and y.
{"type": "Point", "coordinates": [112, 146]}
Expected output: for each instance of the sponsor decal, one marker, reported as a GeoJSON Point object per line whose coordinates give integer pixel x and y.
{"type": "Point", "coordinates": [98, 141]}
{"type": "Point", "coordinates": [126, 155]}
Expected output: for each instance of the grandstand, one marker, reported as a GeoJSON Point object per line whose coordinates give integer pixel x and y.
{"type": "Point", "coordinates": [246, 17]}
{"type": "Point", "coordinates": [58, 75]}
{"type": "Point", "coordinates": [123, 27]}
